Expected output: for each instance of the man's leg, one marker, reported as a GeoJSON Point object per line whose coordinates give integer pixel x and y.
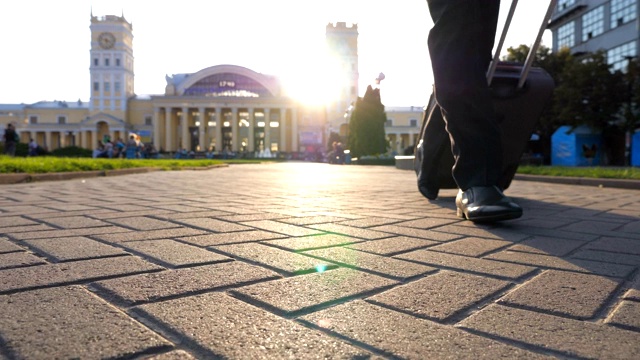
{"type": "Point", "coordinates": [460, 45]}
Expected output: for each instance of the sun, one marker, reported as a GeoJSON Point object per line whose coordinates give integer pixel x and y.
{"type": "Point", "coordinates": [315, 80]}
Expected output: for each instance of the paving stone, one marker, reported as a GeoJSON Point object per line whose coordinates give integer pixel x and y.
{"type": "Point", "coordinates": [609, 257]}
{"type": "Point", "coordinates": [377, 264]}
{"type": "Point", "coordinates": [591, 226]}
{"type": "Point", "coordinates": [308, 220]}
{"type": "Point", "coordinates": [471, 246]}
{"type": "Point", "coordinates": [303, 293]}
{"type": "Point", "coordinates": [129, 235]}
{"type": "Point", "coordinates": [417, 233]}
{"type": "Point", "coordinates": [367, 222]}
{"type": "Point", "coordinates": [351, 231]}
{"type": "Point", "coordinates": [564, 293]}
{"type": "Point", "coordinates": [571, 337]}
{"type": "Point", "coordinates": [143, 223]}
{"type": "Point", "coordinates": [174, 253]}
{"type": "Point", "coordinates": [70, 322]}
{"type": "Point", "coordinates": [441, 295]}
{"type": "Point", "coordinates": [74, 222]}
{"type": "Point", "coordinates": [547, 246]}
{"type": "Point", "coordinates": [214, 225]}
{"type": "Point", "coordinates": [483, 231]}
{"type": "Point", "coordinates": [313, 242]}
{"type": "Point", "coordinates": [408, 337]}
{"type": "Point", "coordinates": [48, 234]}
{"type": "Point", "coordinates": [156, 286]}
{"type": "Point", "coordinates": [282, 228]}
{"type": "Point", "coordinates": [13, 230]}
{"type": "Point", "coordinates": [585, 266]}
{"type": "Point", "coordinates": [427, 223]}
{"type": "Point", "coordinates": [230, 238]}
{"type": "Point", "coordinates": [175, 207]}
{"type": "Point", "coordinates": [173, 355]}
{"type": "Point", "coordinates": [216, 324]}
{"type": "Point", "coordinates": [9, 221]}
{"type": "Point", "coordinates": [6, 246]}
{"type": "Point", "coordinates": [16, 210]}
{"type": "Point", "coordinates": [128, 214]}
{"type": "Point", "coordinates": [393, 245]}
{"type": "Point", "coordinates": [250, 217]}
{"type": "Point", "coordinates": [627, 315]}
{"type": "Point", "coordinates": [19, 259]}
{"type": "Point", "coordinates": [634, 291]}
{"type": "Point", "coordinates": [482, 266]}
{"type": "Point", "coordinates": [283, 261]}
{"type": "Point", "coordinates": [625, 246]}
{"type": "Point", "coordinates": [12, 280]}
{"type": "Point", "coordinates": [70, 207]}
{"type": "Point", "coordinates": [73, 248]}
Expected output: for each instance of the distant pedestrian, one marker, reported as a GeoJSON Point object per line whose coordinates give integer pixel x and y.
{"type": "Point", "coordinates": [11, 138]}
{"type": "Point", "coordinates": [33, 147]}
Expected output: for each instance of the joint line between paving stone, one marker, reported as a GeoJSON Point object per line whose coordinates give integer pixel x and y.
{"type": "Point", "coordinates": [172, 335]}
{"type": "Point", "coordinates": [351, 341]}
{"type": "Point", "coordinates": [522, 345]}
{"type": "Point", "coordinates": [615, 299]}
{"type": "Point", "coordinates": [308, 309]}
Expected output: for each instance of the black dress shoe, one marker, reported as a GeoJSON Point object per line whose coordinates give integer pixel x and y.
{"type": "Point", "coordinates": [428, 192]}
{"type": "Point", "coordinates": [486, 204]}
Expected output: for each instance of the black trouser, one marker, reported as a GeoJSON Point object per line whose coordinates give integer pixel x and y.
{"type": "Point", "coordinates": [460, 45]}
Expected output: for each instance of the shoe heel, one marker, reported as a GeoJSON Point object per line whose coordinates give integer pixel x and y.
{"type": "Point", "coordinates": [460, 213]}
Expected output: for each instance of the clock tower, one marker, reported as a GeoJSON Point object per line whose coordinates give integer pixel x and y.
{"type": "Point", "coordinates": [111, 65]}
{"type": "Point", "coordinates": [342, 40]}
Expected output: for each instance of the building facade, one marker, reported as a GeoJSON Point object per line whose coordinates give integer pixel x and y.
{"type": "Point", "coordinates": [586, 26]}
{"type": "Point", "coordinates": [219, 108]}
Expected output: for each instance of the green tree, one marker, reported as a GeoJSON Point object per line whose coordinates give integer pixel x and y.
{"type": "Point", "coordinates": [366, 125]}
{"type": "Point", "coordinates": [587, 93]}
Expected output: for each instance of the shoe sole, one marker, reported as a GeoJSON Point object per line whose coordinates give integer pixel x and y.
{"type": "Point", "coordinates": [487, 219]}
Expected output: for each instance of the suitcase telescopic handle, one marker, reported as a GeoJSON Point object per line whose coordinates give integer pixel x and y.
{"type": "Point", "coordinates": [532, 51]}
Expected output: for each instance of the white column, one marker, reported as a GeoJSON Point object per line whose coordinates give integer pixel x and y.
{"type": "Point", "coordinates": [294, 130]}
{"type": "Point", "coordinates": [83, 140]}
{"type": "Point", "coordinates": [156, 128]}
{"type": "Point", "coordinates": [47, 140]}
{"type": "Point", "coordinates": [62, 136]}
{"type": "Point", "coordinates": [168, 129]}
{"type": "Point", "coordinates": [283, 130]}
{"type": "Point", "coordinates": [234, 129]}
{"type": "Point", "coordinates": [93, 141]}
{"type": "Point", "coordinates": [251, 144]}
{"type": "Point", "coordinates": [184, 125]}
{"type": "Point", "coordinates": [267, 130]}
{"type": "Point", "coordinates": [201, 133]}
{"type": "Point", "coordinates": [218, 130]}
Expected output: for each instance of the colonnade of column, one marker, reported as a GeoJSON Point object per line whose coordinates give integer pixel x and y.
{"type": "Point", "coordinates": [399, 141]}
{"type": "Point", "coordinates": [225, 128]}
{"type": "Point", "coordinates": [54, 139]}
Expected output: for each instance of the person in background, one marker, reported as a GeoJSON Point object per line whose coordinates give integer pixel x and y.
{"type": "Point", "coordinates": [33, 147]}
{"type": "Point", "coordinates": [460, 45]}
{"type": "Point", "coordinates": [11, 139]}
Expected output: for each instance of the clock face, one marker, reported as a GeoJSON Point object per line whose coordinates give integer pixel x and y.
{"type": "Point", "coordinates": [106, 40]}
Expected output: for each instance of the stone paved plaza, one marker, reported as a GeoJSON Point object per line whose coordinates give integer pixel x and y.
{"type": "Point", "coordinates": [312, 261]}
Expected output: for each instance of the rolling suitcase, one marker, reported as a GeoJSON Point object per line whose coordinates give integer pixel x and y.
{"type": "Point", "coordinates": [519, 92]}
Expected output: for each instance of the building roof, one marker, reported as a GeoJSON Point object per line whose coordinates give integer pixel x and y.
{"type": "Point", "coordinates": [57, 104]}
{"type": "Point", "coordinates": [403, 108]}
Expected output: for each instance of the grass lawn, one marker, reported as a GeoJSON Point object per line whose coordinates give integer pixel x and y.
{"type": "Point", "coordinates": [632, 173]}
{"type": "Point", "coordinates": [49, 164]}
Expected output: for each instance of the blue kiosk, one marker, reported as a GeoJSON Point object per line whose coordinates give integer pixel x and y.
{"type": "Point", "coordinates": [635, 149]}
{"type": "Point", "coordinates": [579, 146]}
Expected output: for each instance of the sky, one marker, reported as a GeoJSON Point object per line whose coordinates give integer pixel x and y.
{"type": "Point", "coordinates": [44, 44]}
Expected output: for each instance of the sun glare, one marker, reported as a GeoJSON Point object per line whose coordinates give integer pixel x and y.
{"type": "Point", "coordinates": [316, 80]}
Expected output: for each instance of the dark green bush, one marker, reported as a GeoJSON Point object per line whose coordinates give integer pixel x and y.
{"type": "Point", "coordinates": [72, 151]}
